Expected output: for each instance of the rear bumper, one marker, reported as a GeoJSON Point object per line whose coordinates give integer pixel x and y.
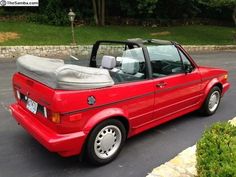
{"type": "Point", "coordinates": [64, 144]}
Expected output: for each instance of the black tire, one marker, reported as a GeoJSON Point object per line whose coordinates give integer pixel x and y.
{"type": "Point", "coordinates": [206, 108]}
{"type": "Point", "coordinates": [92, 151]}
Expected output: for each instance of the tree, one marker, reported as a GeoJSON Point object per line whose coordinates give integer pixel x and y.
{"type": "Point", "coordinates": [99, 11]}
{"type": "Point", "coordinates": [177, 9]}
{"type": "Point", "coordinates": [146, 6]}
{"type": "Point", "coordinates": [143, 7]}
{"type": "Point", "coordinates": [220, 3]}
{"type": "Point", "coordinates": [133, 8]}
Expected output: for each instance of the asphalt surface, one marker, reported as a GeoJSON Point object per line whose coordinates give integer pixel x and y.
{"type": "Point", "coordinates": [22, 156]}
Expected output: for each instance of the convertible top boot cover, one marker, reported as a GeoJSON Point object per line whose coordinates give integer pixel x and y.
{"type": "Point", "coordinates": [39, 69]}
{"type": "Point", "coordinates": [55, 74]}
{"type": "Point", "coordinates": [73, 77]}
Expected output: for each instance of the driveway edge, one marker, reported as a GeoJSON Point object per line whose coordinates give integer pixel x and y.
{"type": "Point", "coordinates": [209, 48]}
{"type": "Point", "coordinates": [183, 165]}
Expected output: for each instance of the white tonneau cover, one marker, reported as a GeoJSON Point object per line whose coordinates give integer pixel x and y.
{"type": "Point", "coordinates": [55, 74]}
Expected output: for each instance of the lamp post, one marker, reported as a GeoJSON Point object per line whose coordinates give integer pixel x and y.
{"type": "Point", "coordinates": [71, 16]}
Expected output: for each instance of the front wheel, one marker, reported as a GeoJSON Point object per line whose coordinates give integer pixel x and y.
{"type": "Point", "coordinates": [105, 142]}
{"type": "Point", "coordinates": [212, 102]}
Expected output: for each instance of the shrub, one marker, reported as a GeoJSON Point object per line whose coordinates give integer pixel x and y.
{"type": "Point", "coordinates": [37, 18]}
{"type": "Point", "coordinates": [52, 12]}
{"type": "Point", "coordinates": [216, 151]}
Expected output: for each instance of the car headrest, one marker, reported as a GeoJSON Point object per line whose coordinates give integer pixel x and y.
{"type": "Point", "coordinates": [136, 53]}
{"type": "Point", "coordinates": [108, 62]}
{"type": "Point", "coordinates": [130, 66]}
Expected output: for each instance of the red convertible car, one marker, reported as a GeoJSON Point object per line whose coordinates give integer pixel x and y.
{"type": "Point", "coordinates": [72, 109]}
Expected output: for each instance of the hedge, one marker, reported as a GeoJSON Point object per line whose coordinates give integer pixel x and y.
{"type": "Point", "coordinates": [216, 151]}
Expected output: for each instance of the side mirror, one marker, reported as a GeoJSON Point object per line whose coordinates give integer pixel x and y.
{"type": "Point", "coordinates": [188, 68]}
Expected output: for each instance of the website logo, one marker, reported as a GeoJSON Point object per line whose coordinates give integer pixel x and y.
{"type": "Point", "coordinates": [19, 3]}
{"type": "Point", "coordinates": [3, 2]}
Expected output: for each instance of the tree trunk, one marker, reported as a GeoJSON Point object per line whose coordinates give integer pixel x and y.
{"type": "Point", "coordinates": [234, 15]}
{"type": "Point", "coordinates": [95, 11]}
{"type": "Point", "coordinates": [99, 12]}
{"type": "Point", "coordinates": [103, 12]}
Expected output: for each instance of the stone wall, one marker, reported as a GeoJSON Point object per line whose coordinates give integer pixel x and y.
{"type": "Point", "coordinates": [85, 50]}
{"type": "Point", "coordinates": [60, 50]}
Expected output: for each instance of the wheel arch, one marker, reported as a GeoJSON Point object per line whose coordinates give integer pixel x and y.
{"type": "Point", "coordinates": [210, 85]}
{"type": "Point", "coordinates": [124, 121]}
{"type": "Point", "coordinates": [204, 109]}
{"type": "Point", "coordinates": [218, 85]}
{"type": "Point", "coordinates": [110, 113]}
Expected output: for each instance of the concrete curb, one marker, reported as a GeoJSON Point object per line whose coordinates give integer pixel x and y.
{"type": "Point", "coordinates": [209, 48]}
{"type": "Point", "coordinates": [183, 165]}
{"type": "Point", "coordinates": [65, 50]}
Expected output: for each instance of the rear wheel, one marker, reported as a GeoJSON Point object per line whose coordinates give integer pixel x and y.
{"type": "Point", "coordinates": [105, 142]}
{"type": "Point", "coordinates": [212, 102]}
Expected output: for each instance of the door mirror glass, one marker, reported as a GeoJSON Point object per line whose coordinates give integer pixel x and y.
{"type": "Point", "coordinates": [188, 68]}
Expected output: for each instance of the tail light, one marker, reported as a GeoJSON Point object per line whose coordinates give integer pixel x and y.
{"type": "Point", "coordinates": [54, 117]}
{"type": "Point", "coordinates": [58, 118]}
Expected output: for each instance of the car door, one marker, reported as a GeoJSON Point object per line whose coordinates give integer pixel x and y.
{"type": "Point", "coordinates": [177, 91]}
{"type": "Point", "coordinates": [133, 89]}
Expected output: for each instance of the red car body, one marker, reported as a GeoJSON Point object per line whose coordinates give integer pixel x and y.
{"type": "Point", "coordinates": [138, 105]}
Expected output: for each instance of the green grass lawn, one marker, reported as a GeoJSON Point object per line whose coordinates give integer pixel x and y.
{"type": "Point", "coordinates": [35, 34]}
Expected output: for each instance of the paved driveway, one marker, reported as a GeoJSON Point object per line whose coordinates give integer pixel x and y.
{"type": "Point", "coordinates": [22, 156]}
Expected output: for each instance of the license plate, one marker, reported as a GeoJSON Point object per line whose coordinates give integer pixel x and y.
{"type": "Point", "coordinates": [32, 106]}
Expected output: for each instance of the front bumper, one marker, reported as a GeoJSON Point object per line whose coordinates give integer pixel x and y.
{"type": "Point", "coordinates": [64, 144]}
{"type": "Point", "coordinates": [226, 87]}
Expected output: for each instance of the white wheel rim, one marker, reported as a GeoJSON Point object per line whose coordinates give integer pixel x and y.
{"type": "Point", "coordinates": [214, 101]}
{"type": "Point", "coordinates": [107, 141]}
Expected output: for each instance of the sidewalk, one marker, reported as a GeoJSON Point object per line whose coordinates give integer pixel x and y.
{"type": "Point", "coordinates": [183, 165]}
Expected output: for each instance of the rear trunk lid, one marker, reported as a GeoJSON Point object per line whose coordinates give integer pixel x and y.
{"type": "Point", "coordinates": [26, 89]}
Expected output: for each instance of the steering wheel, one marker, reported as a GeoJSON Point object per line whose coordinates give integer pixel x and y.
{"type": "Point", "coordinates": [142, 67]}
{"type": "Point", "coordinates": [167, 66]}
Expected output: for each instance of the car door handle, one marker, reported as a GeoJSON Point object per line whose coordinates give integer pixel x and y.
{"type": "Point", "coordinates": [161, 84]}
